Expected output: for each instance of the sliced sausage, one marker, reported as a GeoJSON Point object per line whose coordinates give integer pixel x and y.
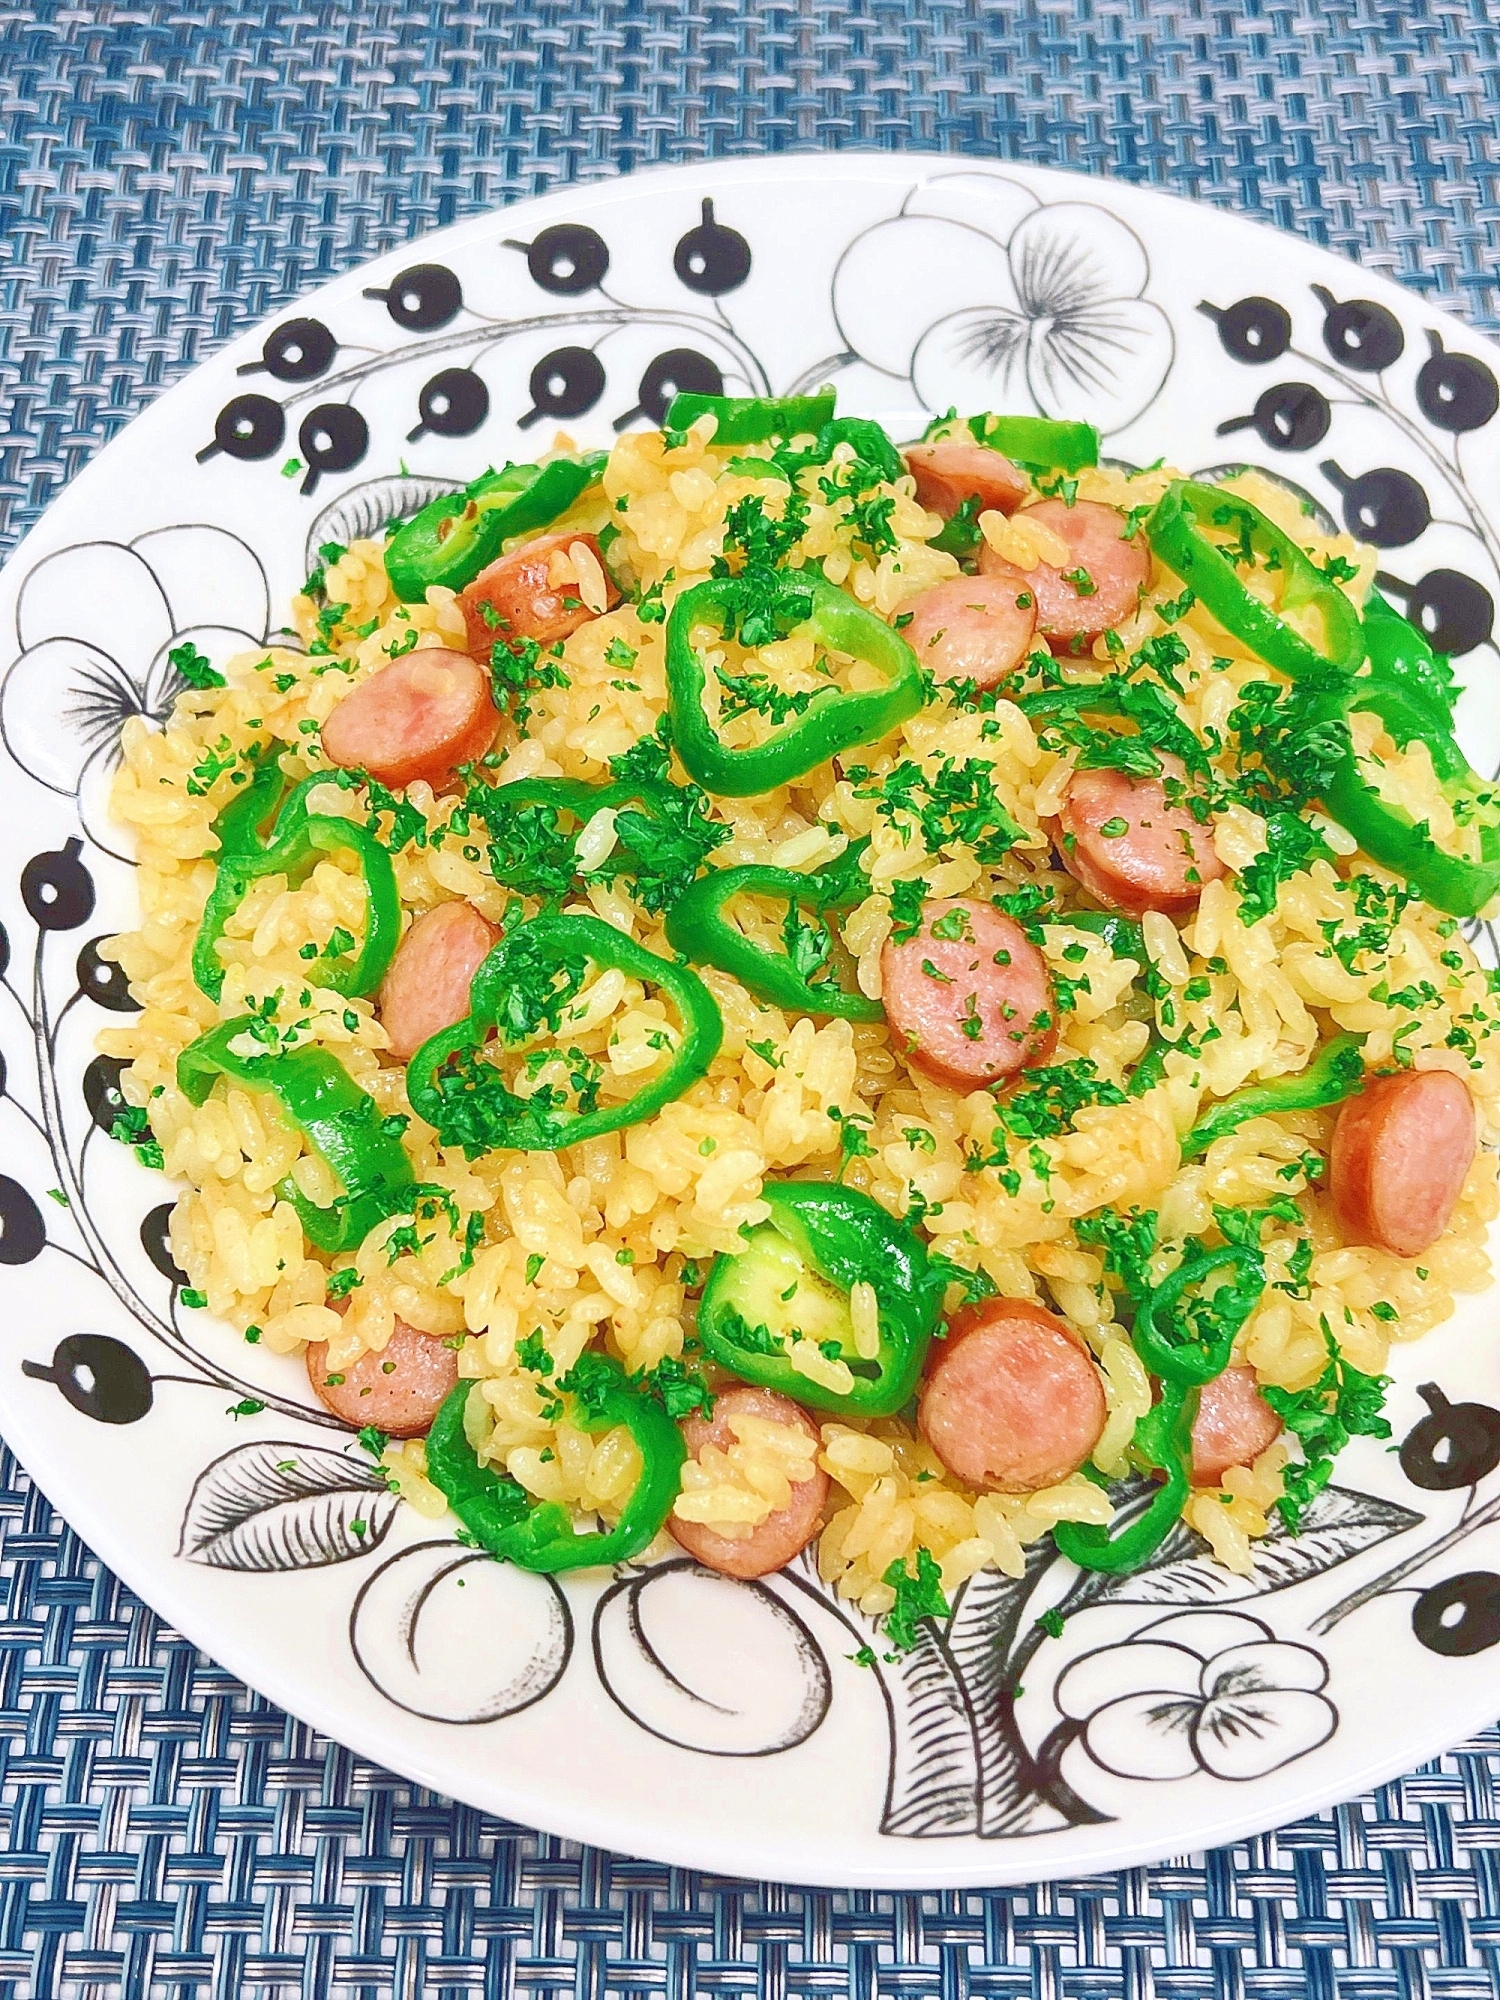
{"type": "Point", "coordinates": [781, 1535]}
{"type": "Point", "coordinates": [969, 997]}
{"type": "Point", "coordinates": [948, 474]}
{"type": "Point", "coordinates": [536, 593]}
{"type": "Point", "coordinates": [1401, 1152]}
{"type": "Point", "coordinates": [420, 717]}
{"type": "Point", "coordinates": [427, 986]}
{"type": "Point", "coordinates": [1130, 847]}
{"type": "Point", "coordinates": [972, 628]}
{"type": "Point", "coordinates": [399, 1390]}
{"type": "Point", "coordinates": [1013, 1400]}
{"type": "Point", "coordinates": [1234, 1425]}
{"type": "Point", "coordinates": [1101, 583]}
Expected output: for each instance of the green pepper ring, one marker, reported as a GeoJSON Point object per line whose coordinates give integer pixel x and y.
{"type": "Point", "coordinates": [444, 544]}
{"type": "Point", "coordinates": [1175, 1362]}
{"type": "Point", "coordinates": [751, 419]}
{"type": "Point", "coordinates": [1163, 1437]}
{"type": "Point", "coordinates": [1336, 1074]}
{"type": "Point", "coordinates": [569, 936]}
{"type": "Point", "coordinates": [834, 722]}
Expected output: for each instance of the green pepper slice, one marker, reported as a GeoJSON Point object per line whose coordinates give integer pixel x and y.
{"type": "Point", "coordinates": [1123, 935]}
{"type": "Point", "coordinates": [1163, 1440]}
{"type": "Point", "coordinates": [752, 419]}
{"type": "Point", "coordinates": [457, 535]}
{"type": "Point", "coordinates": [1173, 531]}
{"type": "Point", "coordinates": [1386, 832]}
{"type": "Point", "coordinates": [832, 722]}
{"type": "Point", "coordinates": [794, 1277]}
{"type": "Point", "coordinates": [1048, 443]}
{"type": "Point", "coordinates": [1337, 1073]}
{"type": "Point", "coordinates": [1165, 1335]}
{"type": "Point", "coordinates": [538, 1534]}
{"type": "Point", "coordinates": [340, 1121]}
{"type": "Point", "coordinates": [697, 927]}
{"type": "Point", "coordinates": [1399, 654]}
{"type": "Point", "coordinates": [296, 839]}
{"type": "Point", "coordinates": [527, 981]}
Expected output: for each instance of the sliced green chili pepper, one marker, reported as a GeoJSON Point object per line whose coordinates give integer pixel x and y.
{"type": "Point", "coordinates": [526, 983]}
{"type": "Point", "coordinates": [342, 1123]}
{"type": "Point", "coordinates": [698, 928]}
{"type": "Point", "coordinates": [457, 535]}
{"type": "Point", "coordinates": [1123, 935]}
{"type": "Point", "coordinates": [299, 838]}
{"type": "Point", "coordinates": [752, 419]}
{"type": "Point", "coordinates": [792, 1281]}
{"type": "Point", "coordinates": [1052, 444]}
{"type": "Point", "coordinates": [833, 721]}
{"type": "Point", "coordinates": [1163, 1440]}
{"type": "Point", "coordinates": [1336, 1073]}
{"type": "Point", "coordinates": [1386, 832]}
{"type": "Point", "coordinates": [538, 1534]}
{"type": "Point", "coordinates": [1176, 539]}
{"type": "Point", "coordinates": [1190, 1344]}
{"type": "Point", "coordinates": [1399, 654]}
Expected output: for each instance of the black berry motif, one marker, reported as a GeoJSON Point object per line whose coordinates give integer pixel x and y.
{"type": "Point", "coordinates": [453, 404]}
{"type": "Point", "coordinates": [1457, 1445]}
{"type": "Point", "coordinates": [711, 258]}
{"type": "Point", "coordinates": [1386, 507]}
{"type": "Point", "coordinates": [297, 352]}
{"type": "Point", "coordinates": [4, 951]}
{"type": "Point", "coordinates": [1454, 391]}
{"type": "Point", "coordinates": [423, 298]}
{"type": "Point", "coordinates": [1455, 613]}
{"type": "Point", "coordinates": [1252, 329]}
{"type": "Point", "coordinates": [247, 427]}
{"type": "Point", "coordinates": [1294, 416]}
{"type": "Point", "coordinates": [1460, 1615]}
{"type": "Point", "coordinates": [23, 1234]}
{"type": "Point", "coordinates": [682, 368]}
{"type": "Point", "coordinates": [565, 383]}
{"type": "Point", "coordinates": [102, 1093]}
{"type": "Point", "coordinates": [104, 981]}
{"type": "Point", "coordinates": [57, 889]}
{"type": "Point", "coordinates": [155, 1243]}
{"type": "Point", "coordinates": [333, 437]}
{"type": "Point", "coordinates": [1363, 335]}
{"type": "Point", "coordinates": [98, 1375]}
{"type": "Point", "coordinates": [568, 258]}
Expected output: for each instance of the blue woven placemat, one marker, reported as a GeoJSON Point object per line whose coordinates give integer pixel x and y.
{"type": "Point", "coordinates": [169, 173]}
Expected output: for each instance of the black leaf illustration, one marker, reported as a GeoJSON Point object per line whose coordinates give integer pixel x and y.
{"type": "Point", "coordinates": [933, 1786]}
{"type": "Point", "coordinates": [277, 1506]}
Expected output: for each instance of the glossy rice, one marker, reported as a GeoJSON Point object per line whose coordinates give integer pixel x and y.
{"type": "Point", "coordinates": [606, 1244]}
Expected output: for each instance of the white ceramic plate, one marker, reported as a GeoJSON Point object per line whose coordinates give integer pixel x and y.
{"type": "Point", "coordinates": [671, 1714]}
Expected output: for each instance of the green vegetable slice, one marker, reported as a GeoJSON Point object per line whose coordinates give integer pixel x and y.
{"type": "Point", "coordinates": [457, 535]}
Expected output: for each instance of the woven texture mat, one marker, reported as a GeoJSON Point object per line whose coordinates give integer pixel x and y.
{"type": "Point", "coordinates": [169, 174]}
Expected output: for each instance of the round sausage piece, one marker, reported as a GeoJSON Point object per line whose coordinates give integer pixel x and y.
{"type": "Point", "coordinates": [1130, 847]}
{"type": "Point", "coordinates": [1401, 1152]}
{"type": "Point", "coordinates": [1013, 1400]}
{"type": "Point", "coordinates": [969, 997]}
{"type": "Point", "coordinates": [1101, 583]}
{"type": "Point", "coordinates": [539, 591]}
{"type": "Point", "coordinates": [972, 628]}
{"type": "Point", "coordinates": [399, 1390]}
{"type": "Point", "coordinates": [1234, 1425]}
{"type": "Point", "coordinates": [420, 717]}
{"type": "Point", "coordinates": [950, 473]}
{"type": "Point", "coordinates": [426, 988]}
{"type": "Point", "coordinates": [781, 1535]}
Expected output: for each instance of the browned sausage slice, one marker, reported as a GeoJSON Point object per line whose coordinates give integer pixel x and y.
{"type": "Point", "coordinates": [781, 1535]}
{"type": "Point", "coordinates": [399, 1390]}
{"type": "Point", "coordinates": [529, 595]}
{"type": "Point", "coordinates": [969, 997]}
{"type": "Point", "coordinates": [972, 628]}
{"type": "Point", "coordinates": [1401, 1152]}
{"type": "Point", "coordinates": [1234, 1425]}
{"type": "Point", "coordinates": [949, 474]}
{"type": "Point", "coordinates": [427, 986]}
{"type": "Point", "coordinates": [1101, 583]}
{"type": "Point", "coordinates": [1132, 849]}
{"type": "Point", "coordinates": [1012, 1401]}
{"type": "Point", "coordinates": [420, 717]}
